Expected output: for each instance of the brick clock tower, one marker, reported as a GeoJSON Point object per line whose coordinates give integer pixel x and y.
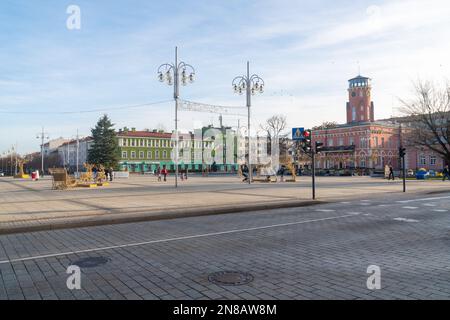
{"type": "Point", "coordinates": [360, 106]}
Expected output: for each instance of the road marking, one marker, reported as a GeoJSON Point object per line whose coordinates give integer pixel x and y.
{"type": "Point", "coordinates": [424, 199]}
{"type": "Point", "coordinates": [355, 213]}
{"type": "Point", "coordinates": [137, 244]}
{"type": "Point", "coordinates": [345, 202]}
{"type": "Point", "coordinates": [406, 220]}
{"type": "Point", "coordinates": [384, 205]}
{"type": "Point", "coordinates": [365, 200]}
{"type": "Point", "coordinates": [367, 214]}
{"type": "Point", "coordinates": [429, 205]}
{"type": "Point", "coordinates": [440, 210]}
{"type": "Point", "coordinates": [365, 204]}
{"type": "Point", "coordinates": [410, 208]}
{"type": "Point", "coordinates": [325, 210]}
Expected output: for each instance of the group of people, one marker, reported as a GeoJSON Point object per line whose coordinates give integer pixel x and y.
{"type": "Point", "coordinates": [389, 170]}
{"type": "Point", "coordinates": [163, 173]}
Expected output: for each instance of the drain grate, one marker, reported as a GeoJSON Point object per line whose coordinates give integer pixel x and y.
{"type": "Point", "coordinates": [230, 278]}
{"type": "Point", "coordinates": [91, 262]}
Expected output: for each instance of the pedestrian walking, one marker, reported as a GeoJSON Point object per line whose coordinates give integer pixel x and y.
{"type": "Point", "coordinates": [391, 173]}
{"type": "Point", "coordinates": [244, 169]}
{"type": "Point", "coordinates": [158, 173]}
{"type": "Point", "coordinates": [111, 173]}
{"type": "Point", "coordinates": [445, 173]}
{"type": "Point", "coordinates": [164, 173]}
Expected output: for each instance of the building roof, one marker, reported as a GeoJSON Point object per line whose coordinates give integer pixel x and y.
{"type": "Point", "coordinates": [359, 77]}
{"type": "Point", "coordinates": [144, 134]}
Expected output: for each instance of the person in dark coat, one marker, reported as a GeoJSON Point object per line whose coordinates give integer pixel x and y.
{"type": "Point", "coordinates": [391, 173]}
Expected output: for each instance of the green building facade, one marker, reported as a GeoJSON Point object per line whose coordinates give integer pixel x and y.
{"type": "Point", "coordinates": [145, 151]}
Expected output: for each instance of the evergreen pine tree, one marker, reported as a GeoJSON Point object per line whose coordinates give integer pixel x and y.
{"type": "Point", "coordinates": [105, 148]}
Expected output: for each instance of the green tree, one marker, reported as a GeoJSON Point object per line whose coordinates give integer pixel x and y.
{"type": "Point", "coordinates": [105, 148]}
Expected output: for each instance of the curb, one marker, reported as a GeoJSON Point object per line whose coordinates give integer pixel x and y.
{"type": "Point", "coordinates": [122, 218]}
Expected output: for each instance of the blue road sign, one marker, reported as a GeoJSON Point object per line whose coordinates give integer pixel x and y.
{"type": "Point", "coordinates": [297, 133]}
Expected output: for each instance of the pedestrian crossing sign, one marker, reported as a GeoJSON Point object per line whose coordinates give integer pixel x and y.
{"type": "Point", "coordinates": [297, 133]}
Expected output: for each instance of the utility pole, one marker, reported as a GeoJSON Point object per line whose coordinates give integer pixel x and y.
{"type": "Point", "coordinates": [78, 148]}
{"type": "Point", "coordinates": [43, 135]}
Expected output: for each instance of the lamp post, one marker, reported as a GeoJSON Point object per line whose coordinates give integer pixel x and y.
{"type": "Point", "coordinates": [43, 135]}
{"type": "Point", "coordinates": [172, 74]}
{"type": "Point", "coordinates": [12, 151]}
{"type": "Point", "coordinates": [251, 84]}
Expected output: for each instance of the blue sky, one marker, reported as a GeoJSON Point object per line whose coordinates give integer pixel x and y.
{"type": "Point", "coordinates": [305, 51]}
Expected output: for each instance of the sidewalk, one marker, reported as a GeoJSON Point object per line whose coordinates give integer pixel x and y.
{"type": "Point", "coordinates": [30, 206]}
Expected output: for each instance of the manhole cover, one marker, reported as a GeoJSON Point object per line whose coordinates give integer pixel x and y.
{"type": "Point", "coordinates": [91, 262]}
{"type": "Point", "coordinates": [230, 278]}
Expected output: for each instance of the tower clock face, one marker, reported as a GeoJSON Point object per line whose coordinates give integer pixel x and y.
{"type": "Point", "coordinates": [353, 94]}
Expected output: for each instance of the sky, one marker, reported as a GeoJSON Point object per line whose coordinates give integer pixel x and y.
{"type": "Point", "coordinates": [51, 76]}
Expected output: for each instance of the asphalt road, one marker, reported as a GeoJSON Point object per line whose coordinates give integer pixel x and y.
{"type": "Point", "coordinates": [317, 252]}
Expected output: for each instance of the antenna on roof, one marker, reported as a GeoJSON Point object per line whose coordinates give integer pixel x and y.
{"type": "Point", "coordinates": [359, 68]}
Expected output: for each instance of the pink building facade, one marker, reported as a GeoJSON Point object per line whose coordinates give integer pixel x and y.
{"type": "Point", "coordinates": [365, 144]}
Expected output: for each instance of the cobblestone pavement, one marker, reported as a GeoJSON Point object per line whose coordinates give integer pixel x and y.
{"type": "Point", "coordinates": [26, 203]}
{"type": "Point", "coordinates": [319, 252]}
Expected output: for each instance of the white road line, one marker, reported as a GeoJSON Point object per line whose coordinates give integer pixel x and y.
{"type": "Point", "coordinates": [423, 199]}
{"type": "Point", "coordinates": [325, 210]}
{"type": "Point", "coordinates": [406, 220]}
{"type": "Point", "coordinates": [411, 208]}
{"type": "Point", "coordinates": [136, 244]}
{"type": "Point", "coordinates": [365, 200]}
{"type": "Point", "coordinates": [429, 205]}
{"type": "Point", "coordinates": [345, 202]}
{"type": "Point", "coordinates": [439, 210]}
{"type": "Point", "coordinates": [355, 213]}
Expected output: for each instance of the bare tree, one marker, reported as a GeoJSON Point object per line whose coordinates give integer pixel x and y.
{"type": "Point", "coordinates": [326, 125]}
{"type": "Point", "coordinates": [427, 117]}
{"type": "Point", "coordinates": [275, 128]}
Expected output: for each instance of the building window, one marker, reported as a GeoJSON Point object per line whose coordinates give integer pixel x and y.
{"type": "Point", "coordinates": [363, 163]}
{"type": "Point", "coordinates": [382, 142]}
{"type": "Point", "coordinates": [149, 154]}
{"type": "Point", "coordinates": [157, 154]}
{"type": "Point", "coordinates": [124, 154]}
{"type": "Point", "coordinates": [330, 142]}
{"type": "Point", "coordinates": [125, 142]}
{"type": "Point", "coordinates": [141, 154]}
{"type": "Point", "coordinates": [341, 141]}
{"type": "Point", "coordinates": [422, 160]}
{"type": "Point", "coordinates": [157, 143]}
{"type": "Point", "coordinates": [351, 141]}
{"type": "Point", "coordinates": [164, 154]}
{"type": "Point", "coordinates": [133, 154]}
{"type": "Point", "coordinates": [353, 114]}
{"type": "Point", "coordinates": [433, 160]}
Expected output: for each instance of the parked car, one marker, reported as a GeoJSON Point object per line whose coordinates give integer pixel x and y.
{"type": "Point", "coordinates": [2, 174]}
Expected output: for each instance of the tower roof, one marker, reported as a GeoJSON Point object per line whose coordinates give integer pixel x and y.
{"type": "Point", "coordinates": [359, 81]}
{"type": "Point", "coordinates": [360, 77]}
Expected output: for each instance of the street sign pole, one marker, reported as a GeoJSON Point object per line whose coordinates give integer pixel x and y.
{"type": "Point", "coordinates": [313, 173]}
{"type": "Point", "coordinates": [404, 173]}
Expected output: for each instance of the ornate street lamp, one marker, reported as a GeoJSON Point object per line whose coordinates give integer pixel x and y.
{"type": "Point", "coordinates": [250, 85]}
{"type": "Point", "coordinates": [173, 74]}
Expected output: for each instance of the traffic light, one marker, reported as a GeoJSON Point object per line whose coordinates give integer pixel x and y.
{"type": "Point", "coordinates": [307, 141]}
{"type": "Point", "coordinates": [401, 152]}
{"type": "Point", "coordinates": [319, 147]}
